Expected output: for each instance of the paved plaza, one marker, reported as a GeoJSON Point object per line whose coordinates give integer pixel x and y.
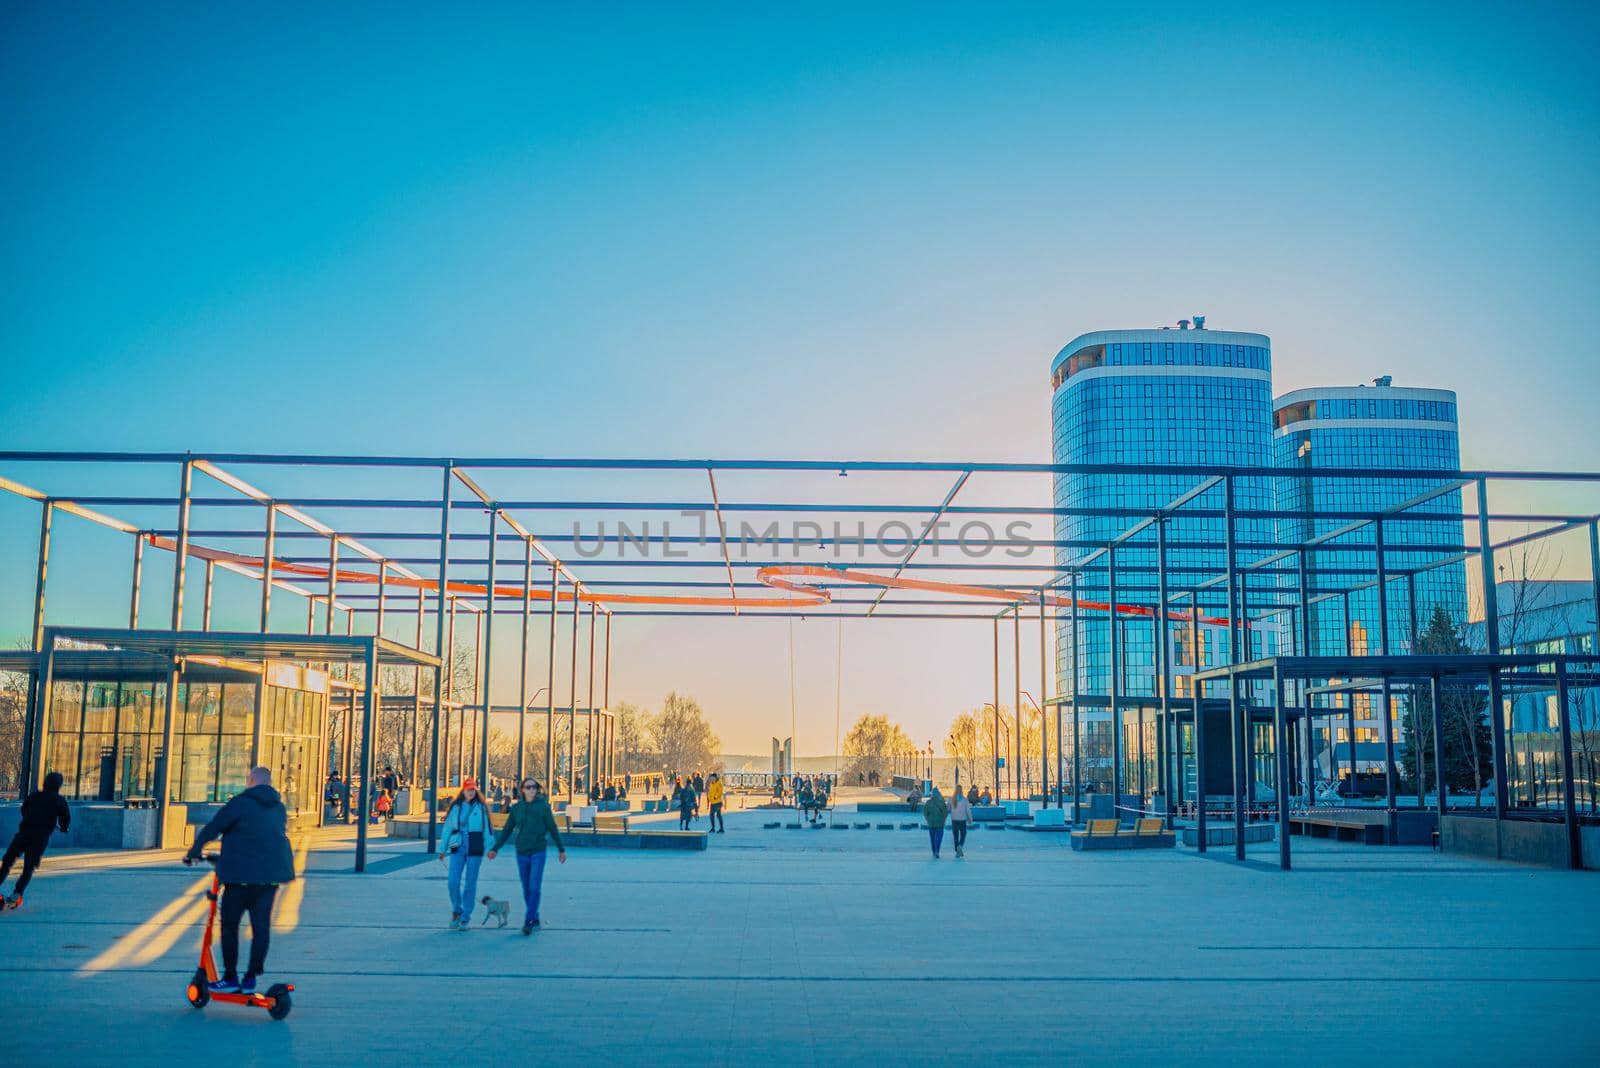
{"type": "Point", "coordinates": [800, 946]}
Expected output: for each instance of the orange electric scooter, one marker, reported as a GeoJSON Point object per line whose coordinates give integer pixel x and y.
{"type": "Point", "coordinates": [276, 1000]}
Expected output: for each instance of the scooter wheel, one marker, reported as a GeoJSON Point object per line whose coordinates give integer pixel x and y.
{"type": "Point", "coordinates": [199, 993]}
{"type": "Point", "coordinates": [281, 1003]}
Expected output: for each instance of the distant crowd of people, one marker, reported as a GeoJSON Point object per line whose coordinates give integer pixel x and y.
{"type": "Point", "coordinates": [811, 794]}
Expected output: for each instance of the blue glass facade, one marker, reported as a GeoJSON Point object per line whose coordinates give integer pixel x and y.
{"type": "Point", "coordinates": [1372, 427]}
{"type": "Point", "coordinates": [1152, 397]}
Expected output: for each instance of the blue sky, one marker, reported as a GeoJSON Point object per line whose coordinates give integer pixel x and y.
{"type": "Point", "coordinates": [716, 230]}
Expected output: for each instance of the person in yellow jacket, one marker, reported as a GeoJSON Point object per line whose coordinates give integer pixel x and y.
{"type": "Point", "coordinates": [714, 799]}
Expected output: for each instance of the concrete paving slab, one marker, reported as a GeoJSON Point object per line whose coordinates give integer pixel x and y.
{"type": "Point", "coordinates": [853, 949]}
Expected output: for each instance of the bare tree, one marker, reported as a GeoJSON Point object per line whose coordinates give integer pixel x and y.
{"type": "Point", "coordinates": [683, 738]}
{"type": "Point", "coordinates": [964, 743]}
{"type": "Point", "coordinates": [636, 751]}
{"type": "Point", "coordinates": [871, 743]}
{"type": "Point", "coordinates": [13, 714]}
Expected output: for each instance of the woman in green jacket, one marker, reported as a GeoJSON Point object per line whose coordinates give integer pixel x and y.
{"type": "Point", "coordinates": [532, 822]}
{"type": "Point", "coordinates": [934, 811]}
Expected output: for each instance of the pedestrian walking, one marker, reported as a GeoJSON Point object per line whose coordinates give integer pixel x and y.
{"type": "Point", "coordinates": [43, 811]}
{"type": "Point", "coordinates": [533, 823]}
{"type": "Point", "coordinates": [464, 838]}
{"type": "Point", "coordinates": [686, 806]}
{"type": "Point", "coordinates": [714, 794]}
{"type": "Point", "coordinates": [256, 859]}
{"type": "Point", "coordinates": [960, 816]}
{"type": "Point", "coordinates": [934, 811]}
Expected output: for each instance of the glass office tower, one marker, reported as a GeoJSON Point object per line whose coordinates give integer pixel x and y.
{"type": "Point", "coordinates": [1382, 427]}
{"type": "Point", "coordinates": [1172, 395]}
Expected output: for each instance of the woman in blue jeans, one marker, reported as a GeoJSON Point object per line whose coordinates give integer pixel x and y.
{"type": "Point", "coordinates": [532, 822]}
{"type": "Point", "coordinates": [463, 840]}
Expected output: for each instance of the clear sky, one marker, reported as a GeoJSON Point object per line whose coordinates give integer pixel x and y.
{"type": "Point", "coordinates": [746, 230]}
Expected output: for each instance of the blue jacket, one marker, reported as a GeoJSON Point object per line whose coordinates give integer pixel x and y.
{"type": "Point", "coordinates": [255, 843]}
{"type": "Point", "coordinates": [460, 821]}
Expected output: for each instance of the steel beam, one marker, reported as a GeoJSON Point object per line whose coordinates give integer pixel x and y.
{"type": "Point", "coordinates": [446, 655]}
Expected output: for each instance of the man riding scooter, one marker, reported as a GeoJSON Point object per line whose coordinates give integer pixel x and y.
{"type": "Point", "coordinates": [256, 859]}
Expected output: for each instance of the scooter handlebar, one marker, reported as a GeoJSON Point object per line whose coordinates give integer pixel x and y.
{"type": "Point", "coordinates": [209, 858]}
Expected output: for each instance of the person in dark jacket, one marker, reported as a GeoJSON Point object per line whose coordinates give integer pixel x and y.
{"type": "Point", "coordinates": [256, 859]}
{"type": "Point", "coordinates": [532, 822]}
{"type": "Point", "coordinates": [687, 802]}
{"type": "Point", "coordinates": [42, 812]}
{"type": "Point", "coordinates": [934, 813]}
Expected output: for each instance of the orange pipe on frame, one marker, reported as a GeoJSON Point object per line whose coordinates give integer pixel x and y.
{"type": "Point", "coordinates": [776, 576]}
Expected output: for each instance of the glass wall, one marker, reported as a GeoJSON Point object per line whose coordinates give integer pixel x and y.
{"type": "Point", "coordinates": [105, 740]}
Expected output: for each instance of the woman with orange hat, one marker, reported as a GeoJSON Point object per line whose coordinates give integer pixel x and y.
{"type": "Point", "coordinates": [464, 839]}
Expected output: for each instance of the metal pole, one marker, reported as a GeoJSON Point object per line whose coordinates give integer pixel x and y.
{"type": "Point", "coordinates": [1044, 722]}
{"type": "Point", "coordinates": [488, 659]}
{"type": "Point", "coordinates": [368, 714]}
{"type": "Point", "coordinates": [1077, 736]}
{"type": "Point", "coordinates": [46, 520]}
{"type": "Point", "coordinates": [138, 580]}
{"type": "Point", "coordinates": [1349, 700]}
{"type": "Point", "coordinates": [452, 739]}
{"type": "Point", "coordinates": [522, 690]}
{"type": "Point", "coordinates": [480, 695]}
{"type": "Point", "coordinates": [1196, 726]}
{"type": "Point", "coordinates": [180, 566]}
{"type": "Point", "coordinates": [431, 806]}
{"type": "Point", "coordinates": [383, 597]}
{"type": "Point", "coordinates": [1569, 803]}
{"type": "Point", "coordinates": [1197, 690]}
{"type": "Point", "coordinates": [1386, 714]}
{"type": "Point", "coordinates": [1491, 634]}
{"type": "Point", "coordinates": [1280, 755]}
{"type": "Point", "coordinates": [205, 610]}
{"type": "Point", "coordinates": [1016, 706]}
{"type": "Point", "coordinates": [1438, 751]}
{"type": "Point", "coordinates": [550, 689]}
{"type": "Point", "coordinates": [1240, 730]}
{"type": "Point", "coordinates": [416, 696]}
{"type": "Point", "coordinates": [1164, 760]}
{"type": "Point", "coordinates": [270, 547]}
{"type": "Point", "coordinates": [333, 586]}
{"type": "Point", "coordinates": [996, 733]}
{"type": "Point", "coordinates": [37, 748]}
{"type": "Point", "coordinates": [605, 699]}
{"type": "Point", "coordinates": [572, 708]}
{"type": "Point", "coordinates": [168, 729]}
{"type": "Point", "coordinates": [1116, 683]}
{"type": "Point", "coordinates": [1307, 724]}
{"type": "Point", "coordinates": [1414, 729]}
{"type": "Point", "coordinates": [589, 740]}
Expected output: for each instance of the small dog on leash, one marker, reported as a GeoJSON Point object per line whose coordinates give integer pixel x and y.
{"type": "Point", "coordinates": [497, 910]}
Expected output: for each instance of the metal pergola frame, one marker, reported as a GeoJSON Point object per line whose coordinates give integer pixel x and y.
{"type": "Point", "coordinates": [1560, 670]}
{"type": "Point", "coordinates": [1249, 588]}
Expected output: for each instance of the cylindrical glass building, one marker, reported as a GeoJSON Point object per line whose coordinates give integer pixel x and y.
{"type": "Point", "coordinates": [1164, 396]}
{"type": "Point", "coordinates": [1378, 427]}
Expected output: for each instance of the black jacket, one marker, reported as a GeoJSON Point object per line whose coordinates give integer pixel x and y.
{"type": "Point", "coordinates": [255, 844]}
{"type": "Point", "coordinates": [43, 811]}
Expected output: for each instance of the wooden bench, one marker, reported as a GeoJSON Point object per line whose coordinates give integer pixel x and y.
{"type": "Point", "coordinates": [611, 821]}
{"type": "Point", "coordinates": [1351, 828]}
{"type": "Point", "coordinates": [596, 839]}
{"type": "Point", "coordinates": [1146, 833]}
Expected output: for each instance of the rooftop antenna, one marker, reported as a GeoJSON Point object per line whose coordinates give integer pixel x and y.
{"type": "Point", "coordinates": [1199, 322]}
